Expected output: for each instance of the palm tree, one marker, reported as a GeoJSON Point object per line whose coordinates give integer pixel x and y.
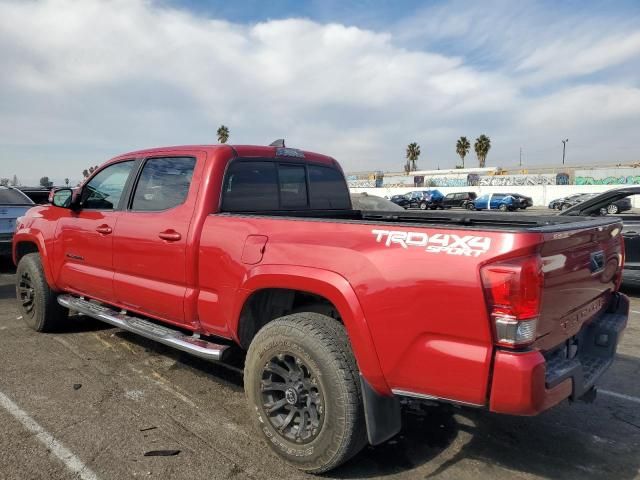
{"type": "Point", "coordinates": [482, 147]}
{"type": "Point", "coordinates": [462, 148]}
{"type": "Point", "coordinates": [413, 152]}
{"type": "Point", "coordinates": [223, 134]}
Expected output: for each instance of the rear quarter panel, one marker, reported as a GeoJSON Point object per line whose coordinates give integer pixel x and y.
{"type": "Point", "coordinates": [425, 311]}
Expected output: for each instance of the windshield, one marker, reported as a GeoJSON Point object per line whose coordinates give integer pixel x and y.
{"type": "Point", "coordinates": [8, 196]}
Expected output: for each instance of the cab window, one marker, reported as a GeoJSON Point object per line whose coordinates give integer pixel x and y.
{"type": "Point", "coordinates": [163, 184]}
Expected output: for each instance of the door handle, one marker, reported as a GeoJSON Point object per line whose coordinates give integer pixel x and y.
{"type": "Point", "coordinates": [104, 229]}
{"type": "Point", "coordinates": [170, 235]}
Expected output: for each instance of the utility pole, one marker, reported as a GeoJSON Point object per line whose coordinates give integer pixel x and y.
{"type": "Point", "coordinates": [520, 156]}
{"type": "Point", "coordinates": [564, 148]}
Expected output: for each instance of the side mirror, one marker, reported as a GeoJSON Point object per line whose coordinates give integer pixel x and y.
{"type": "Point", "coordinates": [63, 198]}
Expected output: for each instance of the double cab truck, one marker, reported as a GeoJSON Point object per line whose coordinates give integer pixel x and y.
{"type": "Point", "coordinates": [340, 316]}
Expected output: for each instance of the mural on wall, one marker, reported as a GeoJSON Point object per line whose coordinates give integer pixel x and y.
{"type": "Point", "coordinates": [608, 176]}
{"type": "Point", "coordinates": [562, 179]}
{"type": "Point", "coordinates": [446, 182]}
{"type": "Point", "coordinates": [517, 180]}
{"type": "Point", "coordinates": [473, 180]}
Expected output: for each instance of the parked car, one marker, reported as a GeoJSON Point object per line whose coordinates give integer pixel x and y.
{"type": "Point", "coordinates": [13, 204]}
{"type": "Point", "coordinates": [364, 201]}
{"type": "Point", "coordinates": [555, 204]}
{"type": "Point", "coordinates": [599, 205]}
{"type": "Point", "coordinates": [459, 199]}
{"type": "Point", "coordinates": [422, 199]}
{"type": "Point", "coordinates": [258, 251]}
{"type": "Point", "coordinates": [613, 208]}
{"type": "Point", "coordinates": [39, 195]}
{"type": "Point", "coordinates": [522, 201]}
{"type": "Point", "coordinates": [496, 201]}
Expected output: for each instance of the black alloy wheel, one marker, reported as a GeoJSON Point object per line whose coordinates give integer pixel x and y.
{"type": "Point", "coordinates": [292, 398]}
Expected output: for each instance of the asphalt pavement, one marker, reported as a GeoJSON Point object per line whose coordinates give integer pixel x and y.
{"type": "Point", "coordinates": [89, 402]}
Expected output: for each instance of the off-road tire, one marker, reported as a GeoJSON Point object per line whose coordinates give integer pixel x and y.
{"type": "Point", "coordinates": [322, 346]}
{"type": "Point", "coordinates": [37, 302]}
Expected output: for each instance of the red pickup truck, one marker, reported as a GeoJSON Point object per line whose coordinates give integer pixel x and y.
{"type": "Point", "coordinates": [341, 313]}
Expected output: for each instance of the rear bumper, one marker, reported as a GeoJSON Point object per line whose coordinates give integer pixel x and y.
{"type": "Point", "coordinates": [630, 276]}
{"type": "Point", "coordinates": [5, 244]}
{"type": "Point", "coordinates": [527, 383]}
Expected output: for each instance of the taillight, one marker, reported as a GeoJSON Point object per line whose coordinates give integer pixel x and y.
{"type": "Point", "coordinates": [512, 289]}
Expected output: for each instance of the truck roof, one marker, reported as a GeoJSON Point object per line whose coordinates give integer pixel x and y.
{"type": "Point", "coordinates": [243, 151]}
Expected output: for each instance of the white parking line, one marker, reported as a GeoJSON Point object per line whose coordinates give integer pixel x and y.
{"type": "Point", "coordinates": [619, 395]}
{"type": "Point", "coordinates": [635, 311]}
{"type": "Point", "coordinates": [73, 463]}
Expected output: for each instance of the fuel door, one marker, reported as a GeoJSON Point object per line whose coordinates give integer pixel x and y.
{"type": "Point", "coordinates": [254, 247]}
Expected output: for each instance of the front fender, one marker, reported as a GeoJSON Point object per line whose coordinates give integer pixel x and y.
{"type": "Point", "coordinates": [27, 235]}
{"type": "Point", "coordinates": [334, 288]}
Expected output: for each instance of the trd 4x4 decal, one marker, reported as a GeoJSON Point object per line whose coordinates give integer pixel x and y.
{"type": "Point", "coordinates": [451, 244]}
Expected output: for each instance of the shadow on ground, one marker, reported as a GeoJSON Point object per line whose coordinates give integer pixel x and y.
{"type": "Point", "coordinates": [6, 265]}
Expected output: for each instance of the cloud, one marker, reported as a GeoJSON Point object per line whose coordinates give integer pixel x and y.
{"type": "Point", "coordinates": [91, 79]}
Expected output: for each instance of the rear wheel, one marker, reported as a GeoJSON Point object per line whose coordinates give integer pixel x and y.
{"type": "Point", "coordinates": [469, 206]}
{"type": "Point", "coordinates": [423, 206]}
{"type": "Point", "coordinates": [37, 303]}
{"type": "Point", "coordinates": [303, 389]}
{"type": "Point", "coordinates": [613, 209]}
{"type": "Point", "coordinates": [503, 208]}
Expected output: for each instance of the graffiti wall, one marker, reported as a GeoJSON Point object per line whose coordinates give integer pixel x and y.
{"type": "Point", "coordinates": [517, 180]}
{"type": "Point", "coordinates": [608, 176]}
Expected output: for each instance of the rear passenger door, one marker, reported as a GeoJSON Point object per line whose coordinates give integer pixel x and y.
{"type": "Point", "coordinates": [150, 240]}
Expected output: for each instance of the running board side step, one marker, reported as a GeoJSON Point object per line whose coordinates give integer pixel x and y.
{"type": "Point", "coordinates": [159, 333]}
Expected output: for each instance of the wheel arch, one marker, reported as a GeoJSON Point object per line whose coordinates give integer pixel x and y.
{"type": "Point", "coordinates": [326, 286]}
{"type": "Point", "coordinates": [24, 244]}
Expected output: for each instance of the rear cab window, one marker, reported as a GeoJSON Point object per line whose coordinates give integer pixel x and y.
{"type": "Point", "coordinates": [264, 185]}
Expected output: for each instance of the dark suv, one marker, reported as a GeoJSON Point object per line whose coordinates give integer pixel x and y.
{"type": "Point", "coordinates": [460, 199]}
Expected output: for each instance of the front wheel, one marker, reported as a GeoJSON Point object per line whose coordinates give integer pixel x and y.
{"type": "Point", "coordinates": [303, 390]}
{"type": "Point", "coordinates": [503, 208]}
{"type": "Point", "coordinates": [423, 206]}
{"type": "Point", "coordinates": [37, 303]}
{"type": "Point", "coordinates": [612, 209]}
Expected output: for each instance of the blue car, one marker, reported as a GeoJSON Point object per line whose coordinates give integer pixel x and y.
{"type": "Point", "coordinates": [13, 204]}
{"type": "Point", "coordinates": [422, 199]}
{"type": "Point", "coordinates": [496, 201]}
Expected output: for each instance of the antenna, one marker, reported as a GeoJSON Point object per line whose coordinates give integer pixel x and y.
{"type": "Point", "coordinates": [277, 143]}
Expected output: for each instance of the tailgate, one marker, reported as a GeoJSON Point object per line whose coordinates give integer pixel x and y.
{"type": "Point", "coordinates": [582, 269]}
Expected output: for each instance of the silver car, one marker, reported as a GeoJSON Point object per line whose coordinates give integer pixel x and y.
{"type": "Point", "coordinates": [13, 204]}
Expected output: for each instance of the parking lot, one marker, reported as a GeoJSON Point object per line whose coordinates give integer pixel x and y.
{"type": "Point", "coordinates": [95, 399]}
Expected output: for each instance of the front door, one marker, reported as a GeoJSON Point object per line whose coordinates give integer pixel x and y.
{"type": "Point", "coordinates": [85, 237]}
{"type": "Point", "coordinates": [150, 241]}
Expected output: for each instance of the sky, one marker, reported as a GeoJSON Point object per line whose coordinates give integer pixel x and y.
{"type": "Point", "coordinates": [85, 80]}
